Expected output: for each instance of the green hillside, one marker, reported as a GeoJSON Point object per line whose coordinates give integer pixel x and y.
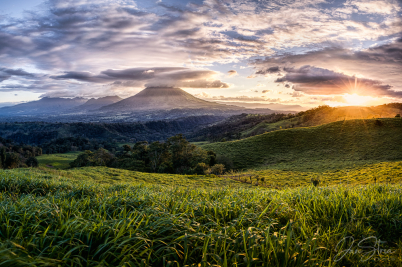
{"type": "Point", "coordinates": [105, 175]}
{"type": "Point", "coordinates": [338, 143]}
{"type": "Point", "coordinates": [246, 125]}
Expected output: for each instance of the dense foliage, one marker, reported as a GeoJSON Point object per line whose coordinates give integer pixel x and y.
{"type": "Point", "coordinates": [15, 155]}
{"type": "Point", "coordinates": [176, 155]}
{"type": "Point", "coordinates": [67, 144]}
{"type": "Point", "coordinates": [39, 133]}
{"type": "Point", "coordinates": [57, 222]}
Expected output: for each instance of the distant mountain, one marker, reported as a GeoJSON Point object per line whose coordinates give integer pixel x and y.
{"type": "Point", "coordinates": [153, 103]}
{"type": "Point", "coordinates": [46, 105]}
{"type": "Point", "coordinates": [163, 98]}
{"type": "Point", "coordinates": [93, 103]}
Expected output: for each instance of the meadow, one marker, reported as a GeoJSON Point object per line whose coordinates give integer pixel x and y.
{"type": "Point", "coordinates": [266, 213]}
{"type": "Point", "coordinates": [57, 161]}
{"type": "Point", "coordinates": [56, 221]}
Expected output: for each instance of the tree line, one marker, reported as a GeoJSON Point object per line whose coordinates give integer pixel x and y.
{"type": "Point", "coordinates": [176, 155]}
{"type": "Point", "coordinates": [17, 156]}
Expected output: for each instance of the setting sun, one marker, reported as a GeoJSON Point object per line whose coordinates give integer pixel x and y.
{"type": "Point", "coordinates": [356, 100]}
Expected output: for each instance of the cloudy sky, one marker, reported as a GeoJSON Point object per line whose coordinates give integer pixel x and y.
{"type": "Point", "coordinates": [300, 52]}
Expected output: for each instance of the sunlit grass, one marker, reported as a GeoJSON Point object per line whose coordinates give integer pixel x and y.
{"type": "Point", "coordinates": [59, 221]}
{"type": "Point", "coordinates": [57, 161]}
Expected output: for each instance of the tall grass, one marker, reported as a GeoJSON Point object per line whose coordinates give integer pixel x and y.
{"type": "Point", "coordinates": [49, 222]}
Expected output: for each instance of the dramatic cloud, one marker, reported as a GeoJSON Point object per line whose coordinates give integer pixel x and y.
{"type": "Point", "coordinates": [102, 47]}
{"type": "Point", "coordinates": [269, 70]}
{"type": "Point", "coordinates": [6, 73]}
{"type": "Point", "coordinates": [317, 81]}
{"type": "Point", "coordinates": [150, 77]}
{"type": "Point", "coordinates": [377, 70]}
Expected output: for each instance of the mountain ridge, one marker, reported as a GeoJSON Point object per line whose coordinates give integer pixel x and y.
{"type": "Point", "coordinates": [163, 98]}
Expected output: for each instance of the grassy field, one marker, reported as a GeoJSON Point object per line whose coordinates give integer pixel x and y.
{"type": "Point", "coordinates": [105, 175]}
{"type": "Point", "coordinates": [52, 220]}
{"type": "Point", "coordinates": [275, 177]}
{"type": "Point", "coordinates": [336, 145]}
{"type": "Point", "coordinates": [57, 161]}
{"type": "Point", "coordinates": [98, 216]}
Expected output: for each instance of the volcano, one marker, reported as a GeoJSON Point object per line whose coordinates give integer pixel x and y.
{"type": "Point", "coordinates": [163, 98]}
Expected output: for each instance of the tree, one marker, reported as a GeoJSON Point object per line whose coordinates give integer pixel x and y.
{"type": "Point", "coordinates": [32, 162]}
{"type": "Point", "coordinates": [157, 154]}
{"type": "Point", "coordinates": [101, 157]}
{"type": "Point", "coordinates": [12, 160]}
{"type": "Point", "coordinates": [201, 168]}
{"type": "Point", "coordinates": [3, 155]}
{"type": "Point", "coordinates": [211, 158]}
{"type": "Point", "coordinates": [140, 151]}
{"type": "Point", "coordinates": [83, 159]}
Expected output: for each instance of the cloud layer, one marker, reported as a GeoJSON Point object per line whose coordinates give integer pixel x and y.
{"type": "Point", "coordinates": [95, 48]}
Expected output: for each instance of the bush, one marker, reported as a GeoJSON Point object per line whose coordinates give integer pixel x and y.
{"type": "Point", "coordinates": [32, 162]}
{"type": "Point", "coordinates": [12, 161]}
{"type": "Point", "coordinates": [398, 116]}
{"type": "Point", "coordinates": [218, 169]}
{"type": "Point", "coordinates": [378, 122]}
{"type": "Point", "coordinates": [315, 181]}
{"type": "Point", "coordinates": [201, 168]}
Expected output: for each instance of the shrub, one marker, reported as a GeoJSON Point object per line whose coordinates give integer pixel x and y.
{"type": "Point", "coordinates": [12, 161]}
{"type": "Point", "coordinates": [398, 116]}
{"type": "Point", "coordinates": [218, 169]}
{"type": "Point", "coordinates": [32, 162]}
{"type": "Point", "coordinates": [315, 181]}
{"type": "Point", "coordinates": [378, 122]}
{"type": "Point", "coordinates": [201, 168]}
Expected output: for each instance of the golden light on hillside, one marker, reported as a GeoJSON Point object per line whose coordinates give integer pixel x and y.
{"type": "Point", "coordinates": [356, 100]}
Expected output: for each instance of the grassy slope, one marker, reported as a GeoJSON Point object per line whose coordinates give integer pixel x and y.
{"type": "Point", "coordinates": [323, 117]}
{"type": "Point", "coordinates": [51, 221]}
{"type": "Point", "coordinates": [104, 175]}
{"type": "Point", "coordinates": [332, 145]}
{"type": "Point", "coordinates": [57, 161]}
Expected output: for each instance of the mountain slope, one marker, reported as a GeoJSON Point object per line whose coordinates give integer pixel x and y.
{"type": "Point", "coordinates": [163, 98]}
{"type": "Point", "coordinates": [93, 104]}
{"type": "Point", "coordinates": [350, 140]}
{"type": "Point", "coordinates": [43, 106]}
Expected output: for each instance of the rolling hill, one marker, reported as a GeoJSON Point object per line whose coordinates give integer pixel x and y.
{"type": "Point", "coordinates": [246, 125]}
{"type": "Point", "coordinates": [372, 140]}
